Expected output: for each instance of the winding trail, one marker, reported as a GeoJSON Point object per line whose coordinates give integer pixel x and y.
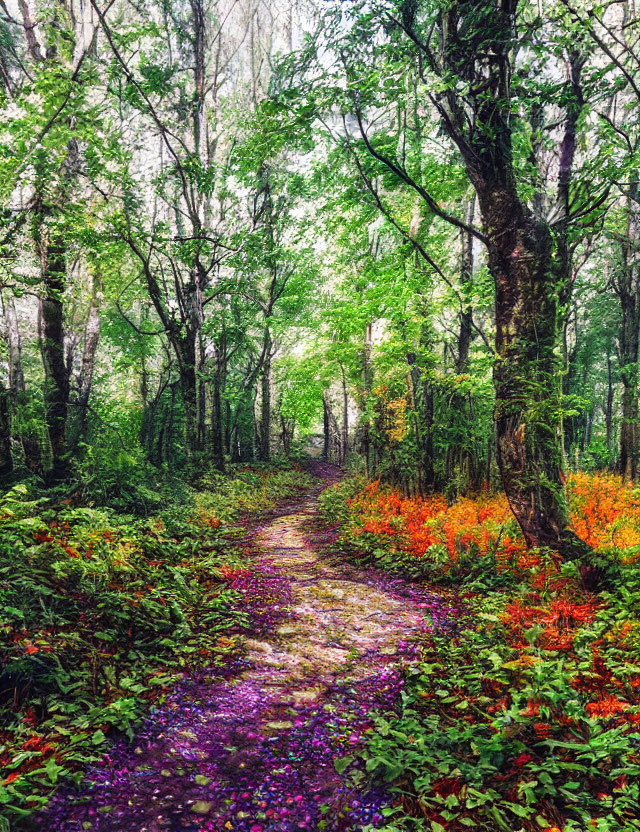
{"type": "Point", "coordinates": [255, 751]}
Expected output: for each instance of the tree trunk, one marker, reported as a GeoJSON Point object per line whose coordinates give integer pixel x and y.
{"type": "Point", "coordinates": [14, 342]}
{"type": "Point", "coordinates": [326, 446]}
{"type": "Point", "coordinates": [286, 434]}
{"type": "Point", "coordinates": [344, 445]}
{"type": "Point", "coordinates": [264, 449]}
{"type": "Point", "coordinates": [332, 436]}
{"type": "Point", "coordinates": [56, 378]}
{"type": "Point", "coordinates": [6, 460]}
{"type": "Point", "coordinates": [169, 428]}
{"type": "Point", "coordinates": [412, 386]}
{"type": "Point", "coordinates": [201, 438]}
{"type": "Point", "coordinates": [428, 447]}
{"type": "Point", "coordinates": [244, 429]}
{"type": "Point", "coordinates": [608, 416]}
{"type": "Point", "coordinates": [217, 421]}
{"type": "Point", "coordinates": [89, 351]}
{"type": "Point", "coordinates": [472, 45]}
{"type": "Point", "coordinates": [466, 281]}
{"type": "Point", "coordinates": [526, 370]}
{"type": "Point", "coordinates": [228, 439]}
{"type": "Point", "coordinates": [25, 434]}
{"type": "Point", "coordinates": [629, 433]}
{"type": "Point", "coordinates": [190, 401]}
{"type": "Point", "coordinates": [185, 350]}
{"type": "Point", "coordinates": [367, 375]}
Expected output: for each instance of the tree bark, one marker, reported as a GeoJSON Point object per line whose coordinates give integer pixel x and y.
{"type": "Point", "coordinates": [189, 391]}
{"type": "Point", "coordinates": [217, 421]}
{"type": "Point", "coordinates": [344, 444]}
{"type": "Point", "coordinates": [89, 352]}
{"type": "Point", "coordinates": [367, 377]}
{"type": "Point", "coordinates": [56, 378]}
{"type": "Point", "coordinates": [465, 331]}
{"type": "Point", "coordinates": [25, 434]}
{"type": "Point", "coordinates": [608, 416]}
{"type": "Point", "coordinates": [326, 436]}
{"type": "Point", "coordinates": [264, 449]}
{"type": "Point", "coordinates": [14, 342]}
{"type": "Point", "coordinates": [526, 369]}
{"type": "Point", "coordinates": [287, 431]}
{"type": "Point", "coordinates": [6, 459]}
{"type": "Point", "coordinates": [183, 340]}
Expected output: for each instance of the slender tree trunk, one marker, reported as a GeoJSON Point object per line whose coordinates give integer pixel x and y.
{"type": "Point", "coordinates": [185, 349]}
{"type": "Point", "coordinates": [190, 401]}
{"type": "Point", "coordinates": [412, 385]}
{"type": "Point", "coordinates": [629, 433]}
{"type": "Point", "coordinates": [264, 449]}
{"type": "Point", "coordinates": [56, 378]}
{"type": "Point", "coordinates": [201, 438]}
{"type": "Point", "coordinates": [345, 420]}
{"type": "Point", "coordinates": [146, 428]}
{"type": "Point", "coordinates": [217, 421]}
{"type": "Point", "coordinates": [326, 446]}
{"type": "Point", "coordinates": [228, 433]}
{"type": "Point", "coordinates": [27, 437]}
{"type": "Point", "coordinates": [14, 342]}
{"type": "Point", "coordinates": [169, 430]}
{"type": "Point", "coordinates": [201, 381]}
{"type": "Point", "coordinates": [367, 375]}
{"type": "Point", "coordinates": [287, 431]}
{"type": "Point", "coordinates": [89, 352]}
{"type": "Point", "coordinates": [428, 446]}
{"type": "Point", "coordinates": [466, 281]}
{"type": "Point", "coordinates": [608, 416]}
{"type": "Point", "coordinates": [244, 430]}
{"type": "Point", "coordinates": [6, 460]}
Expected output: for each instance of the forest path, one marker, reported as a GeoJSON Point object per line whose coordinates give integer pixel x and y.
{"type": "Point", "coordinates": [256, 752]}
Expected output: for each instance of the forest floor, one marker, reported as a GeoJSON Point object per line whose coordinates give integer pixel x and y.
{"type": "Point", "coordinates": [254, 749]}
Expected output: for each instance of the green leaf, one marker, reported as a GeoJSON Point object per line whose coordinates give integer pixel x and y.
{"type": "Point", "coordinates": [53, 770]}
{"type": "Point", "coordinates": [343, 763]}
{"type": "Point", "coordinates": [98, 737]}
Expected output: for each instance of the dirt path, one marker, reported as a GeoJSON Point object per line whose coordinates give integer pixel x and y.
{"type": "Point", "coordinates": [256, 752]}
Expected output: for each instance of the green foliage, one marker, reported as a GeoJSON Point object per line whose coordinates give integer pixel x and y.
{"type": "Point", "coordinates": [335, 501]}
{"type": "Point", "coordinates": [101, 613]}
{"type": "Point", "coordinates": [486, 736]}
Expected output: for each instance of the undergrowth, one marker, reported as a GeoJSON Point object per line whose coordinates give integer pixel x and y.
{"type": "Point", "coordinates": [100, 614]}
{"type": "Point", "coordinates": [523, 713]}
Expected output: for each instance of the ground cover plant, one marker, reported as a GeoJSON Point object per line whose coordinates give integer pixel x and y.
{"type": "Point", "coordinates": [102, 613]}
{"type": "Point", "coordinates": [528, 715]}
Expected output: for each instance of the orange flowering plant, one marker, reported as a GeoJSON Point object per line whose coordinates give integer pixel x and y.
{"type": "Point", "coordinates": [523, 711]}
